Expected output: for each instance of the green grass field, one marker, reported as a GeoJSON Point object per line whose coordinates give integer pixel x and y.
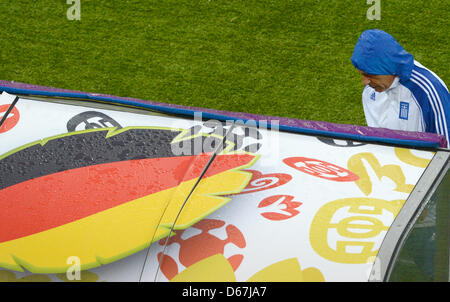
{"type": "Point", "coordinates": [282, 58]}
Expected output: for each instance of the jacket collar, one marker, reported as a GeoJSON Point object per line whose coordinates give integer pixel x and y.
{"type": "Point", "coordinates": [395, 83]}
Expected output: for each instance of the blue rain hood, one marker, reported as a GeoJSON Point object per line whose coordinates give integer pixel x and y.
{"type": "Point", "coordinates": [378, 53]}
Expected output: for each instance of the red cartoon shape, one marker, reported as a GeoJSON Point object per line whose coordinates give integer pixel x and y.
{"type": "Point", "coordinates": [282, 207]}
{"type": "Point", "coordinates": [12, 119]}
{"type": "Point", "coordinates": [319, 168]}
{"type": "Point", "coordinates": [260, 182]}
{"type": "Point", "coordinates": [202, 246]}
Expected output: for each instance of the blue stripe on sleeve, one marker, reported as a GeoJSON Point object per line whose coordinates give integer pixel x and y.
{"type": "Point", "coordinates": [433, 99]}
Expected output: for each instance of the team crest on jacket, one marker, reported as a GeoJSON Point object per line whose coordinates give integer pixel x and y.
{"type": "Point", "coordinates": [404, 111]}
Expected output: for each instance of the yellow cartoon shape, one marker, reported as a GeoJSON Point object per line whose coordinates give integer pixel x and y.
{"type": "Point", "coordinates": [358, 231]}
{"type": "Point", "coordinates": [217, 269]}
{"type": "Point", "coordinates": [394, 172]}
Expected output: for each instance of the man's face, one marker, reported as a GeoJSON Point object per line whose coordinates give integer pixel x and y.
{"type": "Point", "coordinates": [378, 82]}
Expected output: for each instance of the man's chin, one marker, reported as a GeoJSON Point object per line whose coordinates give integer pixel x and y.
{"type": "Point", "coordinates": [379, 89]}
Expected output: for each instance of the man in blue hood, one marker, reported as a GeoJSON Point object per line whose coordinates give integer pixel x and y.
{"type": "Point", "coordinates": [399, 92]}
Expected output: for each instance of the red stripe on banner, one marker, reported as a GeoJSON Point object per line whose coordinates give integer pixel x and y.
{"type": "Point", "coordinates": [52, 200]}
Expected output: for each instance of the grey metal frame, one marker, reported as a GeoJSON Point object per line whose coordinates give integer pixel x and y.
{"type": "Point", "coordinates": [408, 215]}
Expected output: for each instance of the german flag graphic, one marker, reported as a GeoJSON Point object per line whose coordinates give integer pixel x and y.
{"type": "Point", "coordinates": [103, 194]}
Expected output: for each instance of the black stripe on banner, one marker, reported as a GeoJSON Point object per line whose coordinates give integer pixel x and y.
{"type": "Point", "coordinates": [81, 149]}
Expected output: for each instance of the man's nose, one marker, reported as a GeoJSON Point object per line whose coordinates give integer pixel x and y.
{"type": "Point", "coordinates": [365, 80]}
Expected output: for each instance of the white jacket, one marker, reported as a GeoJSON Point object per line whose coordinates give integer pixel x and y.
{"type": "Point", "coordinates": [420, 104]}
